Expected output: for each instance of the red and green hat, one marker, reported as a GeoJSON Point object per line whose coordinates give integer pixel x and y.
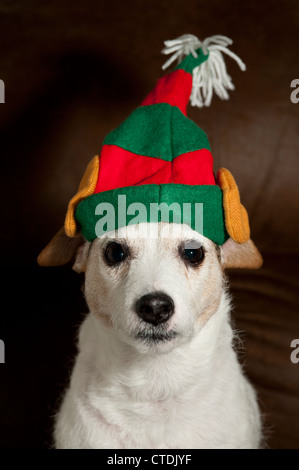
{"type": "Point", "coordinates": [158, 155]}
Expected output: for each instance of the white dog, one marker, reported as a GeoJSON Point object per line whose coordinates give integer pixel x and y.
{"type": "Point", "coordinates": [156, 366]}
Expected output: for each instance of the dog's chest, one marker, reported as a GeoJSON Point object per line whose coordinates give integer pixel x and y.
{"type": "Point", "coordinates": [189, 421]}
{"type": "Point", "coordinates": [164, 423]}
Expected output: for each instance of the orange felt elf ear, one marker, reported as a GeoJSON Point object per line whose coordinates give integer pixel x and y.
{"type": "Point", "coordinates": [86, 188]}
{"type": "Point", "coordinates": [236, 217]}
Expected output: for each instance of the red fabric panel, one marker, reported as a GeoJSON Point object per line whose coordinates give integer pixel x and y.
{"type": "Point", "coordinates": [174, 89]}
{"type": "Point", "coordinates": [193, 168]}
{"type": "Point", "coordinates": [120, 168]}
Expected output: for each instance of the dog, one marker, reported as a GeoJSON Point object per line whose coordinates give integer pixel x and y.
{"type": "Point", "coordinates": [156, 364]}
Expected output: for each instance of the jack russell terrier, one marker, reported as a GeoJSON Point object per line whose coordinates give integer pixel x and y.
{"type": "Point", "coordinates": [156, 364]}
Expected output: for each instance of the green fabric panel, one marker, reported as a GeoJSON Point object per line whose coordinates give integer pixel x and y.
{"type": "Point", "coordinates": [158, 130]}
{"type": "Point", "coordinates": [145, 132]}
{"type": "Point", "coordinates": [186, 135]}
{"type": "Point", "coordinates": [189, 62]}
{"type": "Point", "coordinates": [210, 197]}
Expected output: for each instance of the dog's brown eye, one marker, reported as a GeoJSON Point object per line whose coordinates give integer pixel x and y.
{"type": "Point", "coordinates": [115, 253]}
{"type": "Point", "coordinates": [192, 252]}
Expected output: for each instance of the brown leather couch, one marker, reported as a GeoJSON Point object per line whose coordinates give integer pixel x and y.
{"type": "Point", "coordinates": [73, 71]}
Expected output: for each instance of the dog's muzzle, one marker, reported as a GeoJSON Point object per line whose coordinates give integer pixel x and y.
{"type": "Point", "coordinates": [155, 308]}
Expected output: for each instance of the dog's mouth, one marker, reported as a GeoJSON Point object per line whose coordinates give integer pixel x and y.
{"type": "Point", "coordinates": [155, 335]}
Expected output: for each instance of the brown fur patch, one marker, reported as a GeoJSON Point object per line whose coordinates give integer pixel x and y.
{"type": "Point", "coordinates": [210, 310]}
{"type": "Point", "coordinates": [106, 319]}
{"type": "Point", "coordinates": [60, 250]}
{"type": "Point", "coordinates": [245, 255]}
{"type": "Point", "coordinates": [212, 293]}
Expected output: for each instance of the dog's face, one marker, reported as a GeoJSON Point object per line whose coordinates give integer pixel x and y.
{"type": "Point", "coordinates": [155, 291]}
{"type": "Point", "coordinates": [153, 285]}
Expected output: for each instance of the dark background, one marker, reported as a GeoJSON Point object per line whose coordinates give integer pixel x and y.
{"type": "Point", "coordinates": [73, 71]}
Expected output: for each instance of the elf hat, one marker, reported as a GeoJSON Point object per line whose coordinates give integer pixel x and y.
{"type": "Point", "coordinates": [158, 155]}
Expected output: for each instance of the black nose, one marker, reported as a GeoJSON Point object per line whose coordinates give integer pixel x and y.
{"type": "Point", "coordinates": [155, 308]}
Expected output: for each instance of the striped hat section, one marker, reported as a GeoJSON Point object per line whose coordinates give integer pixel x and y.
{"type": "Point", "coordinates": [158, 155]}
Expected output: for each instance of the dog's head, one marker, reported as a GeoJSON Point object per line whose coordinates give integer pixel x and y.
{"type": "Point", "coordinates": [154, 285]}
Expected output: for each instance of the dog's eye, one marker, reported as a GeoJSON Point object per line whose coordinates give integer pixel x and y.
{"type": "Point", "coordinates": [115, 253]}
{"type": "Point", "coordinates": [192, 252]}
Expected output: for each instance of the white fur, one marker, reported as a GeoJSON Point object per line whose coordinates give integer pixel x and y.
{"type": "Point", "coordinates": [189, 392]}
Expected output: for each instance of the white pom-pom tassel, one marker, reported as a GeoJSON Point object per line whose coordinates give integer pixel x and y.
{"type": "Point", "coordinates": [211, 76]}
